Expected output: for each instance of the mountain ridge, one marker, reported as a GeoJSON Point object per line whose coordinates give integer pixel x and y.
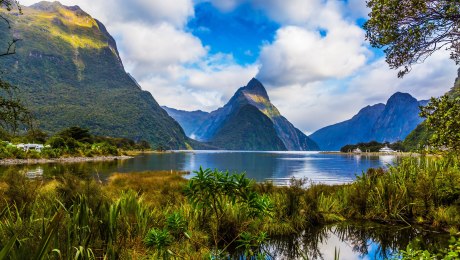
{"type": "Point", "coordinates": [388, 122]}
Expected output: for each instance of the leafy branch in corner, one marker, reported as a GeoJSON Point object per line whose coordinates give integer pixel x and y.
{"type": "Point", "coordinates": [9, 5]}
{"type": "Point", "coordinates": [412, 30]}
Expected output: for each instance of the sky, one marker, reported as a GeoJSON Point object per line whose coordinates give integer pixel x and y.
{"type": "Point", "coordinates": [311, 55]}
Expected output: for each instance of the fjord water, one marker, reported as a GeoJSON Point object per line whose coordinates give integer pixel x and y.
{"type": "Point", "coordinates": [277, 166]}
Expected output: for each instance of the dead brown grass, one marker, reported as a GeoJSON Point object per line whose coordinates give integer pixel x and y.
{"type": "Point", "coordinates": [158, 188]}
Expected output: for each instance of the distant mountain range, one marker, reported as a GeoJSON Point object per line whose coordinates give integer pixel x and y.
{"type": "Point", "coordinates": [69, 73]}
{"type": "Point", "coordinates": [189, 120]}
{"type": "Point", "coordinates": [382, 123]}
{"type": "Point", "coordinates": [249, 121]}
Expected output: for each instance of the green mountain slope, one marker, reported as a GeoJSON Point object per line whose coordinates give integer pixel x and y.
{"type": "Point", "coordinates": [248, 129]}
{"type": "Point", "coordinates": [70, 74]}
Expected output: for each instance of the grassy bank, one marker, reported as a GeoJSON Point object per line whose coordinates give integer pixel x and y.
{"type": "Point", "coordinates": [163, 215]}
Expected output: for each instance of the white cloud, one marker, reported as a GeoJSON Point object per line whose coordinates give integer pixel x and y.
{"type": "Point", "coordinates": [434, 77]}
{"type": "Point", "coordinates": [156, 48]}
{"type": "Point", "coordinates": [294, 12]}
{"type": "Point", "coordinates": [300, 55]}
{"type": "Point", "coordinates": [316, 42]}
{"type": "Point", "coordinates": [207, 86]}
{"type": "Point", "coordinates": [226, 5]}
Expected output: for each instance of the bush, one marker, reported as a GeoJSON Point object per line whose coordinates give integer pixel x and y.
{"type": "Point", "coordinates": [57, 142]}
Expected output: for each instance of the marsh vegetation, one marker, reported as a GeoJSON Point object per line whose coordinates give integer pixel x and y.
{"type": "Point", "coordinates": [217, 215]}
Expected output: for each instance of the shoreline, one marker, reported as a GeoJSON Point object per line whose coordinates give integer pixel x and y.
{"type": "Point", "coordinates": [374, 153]}
{"type": "Point", "coordinates": [7, 162]}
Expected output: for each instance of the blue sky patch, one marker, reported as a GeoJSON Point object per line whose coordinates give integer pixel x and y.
{"type": "Point", "coordinates": [240, 32]}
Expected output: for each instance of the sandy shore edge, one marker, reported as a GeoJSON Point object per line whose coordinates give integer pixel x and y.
{"type": "Point", "coordinates": [64, 160]}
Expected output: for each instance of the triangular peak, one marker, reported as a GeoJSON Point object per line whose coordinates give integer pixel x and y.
{"type": "Point", "coordinates": [255, 87]}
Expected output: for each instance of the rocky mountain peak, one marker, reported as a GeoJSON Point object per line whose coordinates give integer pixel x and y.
{"type": "Point", "coordinates": [255, 87]}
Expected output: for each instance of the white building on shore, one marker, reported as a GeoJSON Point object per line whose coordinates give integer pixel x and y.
{"type": "Point", "coordinates": [386, 149]}
{"type": "Point", "coordinates": [27, 147]}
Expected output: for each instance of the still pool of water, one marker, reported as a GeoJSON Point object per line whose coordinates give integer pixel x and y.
{"type": "Point", "coordinates": [278, 166]}
{"type": "Point", "coordinates": [354, 241]}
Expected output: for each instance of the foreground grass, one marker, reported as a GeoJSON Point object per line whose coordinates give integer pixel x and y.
{"type": "Point", "coordinates": [163, 215]}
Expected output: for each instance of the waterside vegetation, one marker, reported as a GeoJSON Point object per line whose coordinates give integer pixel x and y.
{"type": "Point", "coordinates": [373, 147]}
{"type": "Point", "coordinates": [70, 142]}
{"type": "Point", "coordinates": [214, 214]}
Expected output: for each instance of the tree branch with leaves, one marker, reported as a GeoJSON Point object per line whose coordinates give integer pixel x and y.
{"type": "Point", "coordinates": [412, 30]}
{"type": "Point", "coordinates": [443, 118]}
{"type": "Point", "coordinates": [9, 5]}
{"type": "Point", "coordinates": [13, 114]}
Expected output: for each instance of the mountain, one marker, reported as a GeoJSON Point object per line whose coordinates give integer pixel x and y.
{"type": "Point", "coordinates": [69, 73]}
{"type": "Point", "coordinates": [355, 130]}
{"type": "Point", "coordinates": [249, 121]}
{"type": "Point", "coordinates": [248, 129]}
{"type": "Point", "coordinates": [382, 123]}
{"type": "Point", "coordinates": [189, 120]}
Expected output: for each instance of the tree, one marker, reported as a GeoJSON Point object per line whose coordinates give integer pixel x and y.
{"type": "Point", "coordinates": [12, 112]}
{"type": "Point", "coordinates": [443, 118]}
{"type": "Point", "coordinates": [77, 133]}
{"type": "Point", "coordinates": [412, 30]}
{"type": "Point", "coordinates": [9, 5]}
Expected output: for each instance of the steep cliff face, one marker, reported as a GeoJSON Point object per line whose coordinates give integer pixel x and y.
{"type": "Point", "coordinates": [253, 95]}
{"type": "Point", "coordinates": [383, 123]}
{"type": "Point", "coordinates": [69, 73]}
{"type": "Point", "coordinates": [398, 119]}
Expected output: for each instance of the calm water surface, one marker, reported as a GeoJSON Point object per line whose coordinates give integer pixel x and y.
{"type": "Point", "coordinates": [281, 166]}
{"type": "Point", "coordinates": [354, 241]}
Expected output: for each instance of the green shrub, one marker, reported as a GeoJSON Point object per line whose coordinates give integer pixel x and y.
{"type": "Point", "coordinates": [57, 142]}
